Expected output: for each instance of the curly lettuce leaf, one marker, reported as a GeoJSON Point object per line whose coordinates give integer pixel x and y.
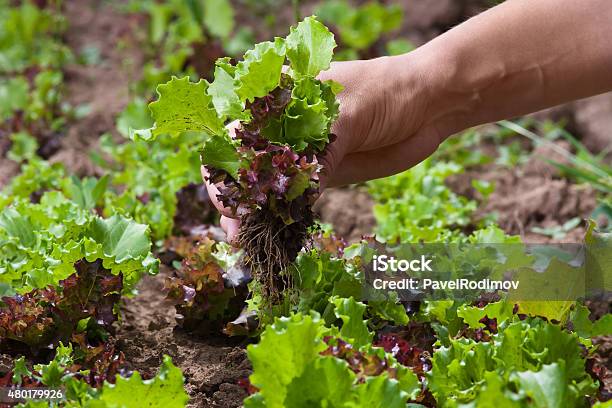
{"type": "Point", "coordinates": [310, 47]}
{"type": "Point", "coordinates": [472, 315]}
{"type": "Point", "coordinates": [223, 92]}
{"type": "Point", "coordinates": [379, 392]}
{"type": "Point", "coordinates": [585, 327]}
{"type": "Point", "coordinates": [326, 381]}
{"type": "Point", "coordinates": [354, 327]}
{"type": "Point", "coordinates": [260, 70]}
{"type": "Point", "coordinates": [182, 106]}
{"type": "Point", "coordinates": [220, 152]}
{"type": "Point", "coordinates": [286, 348]}
{"type": "Point", "coordinates": [163, 390]}
{"type": "Point", "coordinates": [41, 243]}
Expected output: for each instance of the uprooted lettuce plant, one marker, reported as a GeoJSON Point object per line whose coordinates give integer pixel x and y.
{"type": "Point", "coordinates": [266, 168]}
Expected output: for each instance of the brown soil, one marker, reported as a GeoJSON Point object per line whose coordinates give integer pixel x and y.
{"type": "Point", "coordinates": [526, 201]}
{"type": "Point", "coordinates": [603, 361]}
{"type": "Point", "coordinates": [531, 195]}
{"type": "Point", "coordinates": [104, 86]}
{"type": "Point", "coordinates": [349, 210]}
{"type": "Point", "coordinates": [212, 366]}
{"type": "Point", "coordinates": [589, 120]}
{"type": "Point", "coordinates": [593, 122]}
{"type": "Point", "coordinates": [8, 169]}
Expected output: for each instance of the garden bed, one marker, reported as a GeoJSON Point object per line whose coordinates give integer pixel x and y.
{"type": "Point", "coordinates": [528, 196]}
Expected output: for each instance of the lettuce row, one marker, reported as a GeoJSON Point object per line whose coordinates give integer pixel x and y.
{"type": "Point", "coordinates": [416, 205]}
{"type": "Point", "coordinates": [42, 241]}
{"type": "Point", "coordinates": [299, 362]}
{"type": "Point", "coordinates": [30, 38]}
{"type": "Point", "coordinates": [82, 389]}
{"type": "Point", "coordinates": [527, 363]}
{"type": "Point", "coordinates": [522, 361]}
{"type": "Point", "coordinates": [146, 178]}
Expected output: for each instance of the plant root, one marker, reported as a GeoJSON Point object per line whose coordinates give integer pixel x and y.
{"type": "Point", "coordinates": [270, 247]}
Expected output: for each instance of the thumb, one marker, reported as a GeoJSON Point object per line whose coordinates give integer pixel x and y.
{"type": "Point", "coordinates": [231, 227]}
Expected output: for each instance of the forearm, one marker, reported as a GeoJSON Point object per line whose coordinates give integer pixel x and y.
{"type": "Point", "coordinates": [516, 58]}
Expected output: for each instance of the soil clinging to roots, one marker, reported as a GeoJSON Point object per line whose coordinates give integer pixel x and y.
{"type": "Point", "coordinates": [270, 246]}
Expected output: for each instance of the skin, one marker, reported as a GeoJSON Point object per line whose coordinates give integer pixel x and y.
{"type": "Point", "coordinates": [516, 58]}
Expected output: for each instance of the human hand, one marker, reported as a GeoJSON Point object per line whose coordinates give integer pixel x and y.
{"type": "Point", "coordinates": [382, 128]}
{"type": "Point", "coordinates": [516, 58]}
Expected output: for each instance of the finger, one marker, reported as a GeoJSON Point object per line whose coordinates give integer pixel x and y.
{"type": "Point", "coordinates": [231, 226]}
{"type": "Point", "coordinates": [213, 192]}
{"type": "Point", "coordinates": [231, 128]}
{"type": "Point", "coordinates": [333, 72]}
{"type": "Point", "coordinates": [385, 161]}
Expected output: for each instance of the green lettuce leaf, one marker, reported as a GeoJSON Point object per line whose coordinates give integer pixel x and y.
{"type": "Point", "coordinates": [548, 386]}
{"type": "Point", "coordinates": [379, 392]}
{"type": "Point", "coordinates": [584, 327]}
{"type": "Point", "coordinates": [219, 17]}
{"type": "Point", "coordinates": [310, 47]}
{"type": "Point", "coordinates": [219, 152]}
{"type": "Point", "coordinates": [472, 315]}
{"type": "Point", "coordinates": [163, 390]}
{"type": "Point", "coordinates": [121, 239]}
{"type": "Point", "coordinates": [18, 227]}
{"type": "Point", "coordinates": [223, 92]}
{"type": "Point", "coordinates": [259, 72]}
{"type": "Point", "coordinates": [354, 327]}
{"type": "Point", "coordinates": [286, 348]}
{"type": "Point", "coordinates": [325, 382]}
{"type": "Point", "coordinates": [182, 106]}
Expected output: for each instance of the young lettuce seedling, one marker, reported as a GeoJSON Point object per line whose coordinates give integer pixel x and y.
{"type": "Point", "coordinates": [267, 173]}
